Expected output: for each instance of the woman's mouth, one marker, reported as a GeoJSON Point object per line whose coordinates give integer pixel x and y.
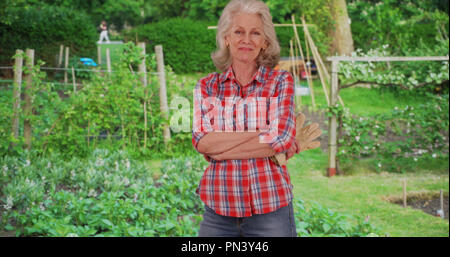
{"type": "Point", "coordinates": [245, 49]}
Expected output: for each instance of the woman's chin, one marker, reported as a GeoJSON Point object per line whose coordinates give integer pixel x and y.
{"type": "Point", "coordinates": [243, 59]}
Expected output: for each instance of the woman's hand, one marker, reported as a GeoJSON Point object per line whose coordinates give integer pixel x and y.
{"type": "Point", "coordinates": [304, 140]}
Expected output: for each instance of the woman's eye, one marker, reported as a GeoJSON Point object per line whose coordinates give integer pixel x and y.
{"type": "Point", "coordinates": [237, 32]}
{"type": "Point", "coordinates": [256, 33]}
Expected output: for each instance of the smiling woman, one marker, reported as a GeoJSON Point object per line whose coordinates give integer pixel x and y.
{"type": "Point", "coordinates": [246, 192]}
{"type": "Point", "coordinates": [222, 58]}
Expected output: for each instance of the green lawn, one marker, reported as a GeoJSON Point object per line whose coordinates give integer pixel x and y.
{"type": "Point", "coordinates": [363, 193]}
{"type": "Point", "coordinates": [362, 101]}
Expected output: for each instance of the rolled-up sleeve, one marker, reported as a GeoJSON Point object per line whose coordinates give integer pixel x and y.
{"type": "Point", "coordinates": [198, 130]}
{"type": "Point", "coordinates": [285, 137]}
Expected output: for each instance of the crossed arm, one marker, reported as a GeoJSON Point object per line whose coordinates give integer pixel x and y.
{"type": "Point", "coordinates": [234, 145]}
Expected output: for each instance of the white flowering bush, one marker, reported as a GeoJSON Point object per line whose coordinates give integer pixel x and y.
{"type": "Point", "coordinates": [396, 139]}
{"type": "Point", "coordinates": [426, 75]}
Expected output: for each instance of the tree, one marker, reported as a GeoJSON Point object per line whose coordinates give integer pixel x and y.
{"type": "Point", "coordinates": [341, 33]}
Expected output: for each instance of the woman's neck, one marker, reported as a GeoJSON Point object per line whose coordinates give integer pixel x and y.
{"type": "Point", "coordinates": [243, 72]}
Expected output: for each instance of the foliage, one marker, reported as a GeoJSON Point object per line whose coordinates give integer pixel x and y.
{"type": "Point", "coordinates": [107, 194]}
{"type": "Point", "coordinates": [120, 12]}
{"type": "Point", "coordinates": [319, 221]}
{"type": "Point", "coordinates": [415, 77]}
{"type": "Point", "coordinates": [111, 194]}
{"type": "Point", "coordinates": [187, 44]}
{"type": "Point", "coordinates": [392, 22]}
{"type": "Point", "coordinates": [108, 110]}
{"type": "Point", "coordinates": [44, 29]}
{"type": "Point", "coordinates": [396, 140]}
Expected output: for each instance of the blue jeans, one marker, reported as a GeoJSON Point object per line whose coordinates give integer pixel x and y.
{"type": "Point", "coordinates": [279, 223]}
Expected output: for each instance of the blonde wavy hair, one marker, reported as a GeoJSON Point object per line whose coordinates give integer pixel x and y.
{"type": "Point", "coordinates": [268, 57]}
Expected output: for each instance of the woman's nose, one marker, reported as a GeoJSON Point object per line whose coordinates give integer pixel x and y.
{"type": "Point", "coordinates": [246, 38]}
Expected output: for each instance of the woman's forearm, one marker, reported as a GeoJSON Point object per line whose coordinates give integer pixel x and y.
{"type": "Point", "coordinates": [219, 142]}
{"type": "Point", "coordinates": [250, 149]}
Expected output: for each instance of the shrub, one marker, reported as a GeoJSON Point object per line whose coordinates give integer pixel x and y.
{"type": "Point", "coordinates": [44, 29]}
{"type": "Point", "coordinates": [187, 44]}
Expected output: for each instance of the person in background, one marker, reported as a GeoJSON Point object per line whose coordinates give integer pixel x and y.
{"type": "Point", "coordinates": [103, 32]}
{"type": "Point", "coordinates": [246, 191]}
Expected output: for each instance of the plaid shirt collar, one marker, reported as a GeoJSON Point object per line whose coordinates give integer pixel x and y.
{"type": "Point", "coordinates": [258, 76]}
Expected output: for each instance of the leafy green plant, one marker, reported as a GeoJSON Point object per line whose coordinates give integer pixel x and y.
{"type": "Point", "coordinates": [317, 221]}
{"type": "Point", "coordinates": [111, 194]}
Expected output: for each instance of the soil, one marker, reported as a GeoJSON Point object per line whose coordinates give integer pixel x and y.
{"type": "Point", "coordinates": [428, 203]}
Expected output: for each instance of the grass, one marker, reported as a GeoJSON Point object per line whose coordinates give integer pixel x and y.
{"type": "Point", "coordinates": [364, 193]}
{"type": "Point", "coordinates": [362, 101]}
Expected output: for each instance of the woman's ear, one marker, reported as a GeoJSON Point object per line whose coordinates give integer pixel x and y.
{"type": "Point", "coordinates": [227, 44]}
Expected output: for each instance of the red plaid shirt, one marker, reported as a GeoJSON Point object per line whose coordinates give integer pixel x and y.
{"type": "Point", "coordinates": [241, 188]}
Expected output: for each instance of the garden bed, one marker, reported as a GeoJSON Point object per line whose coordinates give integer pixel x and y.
{"type": "Point", "coordinates": [427, 202]}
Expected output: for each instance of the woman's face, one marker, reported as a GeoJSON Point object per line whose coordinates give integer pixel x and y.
{"type": "Point", "coordinates": [246, 37]}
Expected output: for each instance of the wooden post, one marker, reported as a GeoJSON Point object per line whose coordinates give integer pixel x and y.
{"type": "Point", "coordinates": [143, 77]}
{"type": "Point", "coordinates": [99, 54]}
{"type": "Point", "coordinates": [404, 193]}
{"type": "Point", "coordinates": [108, 60]}
{"type": "Point", "coordinates": [73, 81]}
{"type": "Point", "coordinates": [441, 195]}
{"type": "Point", "coordinates": [162, 91]}
{"type": "Point", "coordinates": [332, 145]}
{"type": "Point", "coordinates": [28, 108]}
{"type": "Point", "coordinates": [66, 64]}
{"type": "Point", "coordinates": [16, 92]}
{"type": "Point", "coordinates": [61, 52]}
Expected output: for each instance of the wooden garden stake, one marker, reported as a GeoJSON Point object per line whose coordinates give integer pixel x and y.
{"type": "Point", "coordinates": [441, 195]}
{"type": "Point", "coordinates": [73, 81]}
{"type": "Point", "coordinates": [317, 60]}
{"type": "Point", "coordinates": [308, 78]}
{"type": "Point", "coordinates": [66, 64]}
{"type": "Point", "coordinates": [404, 193]}
{"type": "Point", "coordinates": [28, 99]}
{"type": "Point", "coordinates": [16, 92]}
{"type": "Point", "coordinates": [99, 54]}
{"type": "Point", "coordinates": [162, 91]}
{"type": "Point", "coordinates": [143, 77]}
{"type": "Point", "coordinates": [297, 78]}
{"type": "Point", "coordinates": [61, 52]}
{"type": "Point", "coordinates": [108, 60]}
{"type": "Point", "coordinates": [294, 71]}
{"type": "Point", "coordinates": [299, 46]}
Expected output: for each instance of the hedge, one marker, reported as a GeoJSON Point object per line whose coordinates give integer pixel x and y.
{"type": "Point", "coordinates": [44, 29]}
{"type": "Point", "coordinates": [188, 44]}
